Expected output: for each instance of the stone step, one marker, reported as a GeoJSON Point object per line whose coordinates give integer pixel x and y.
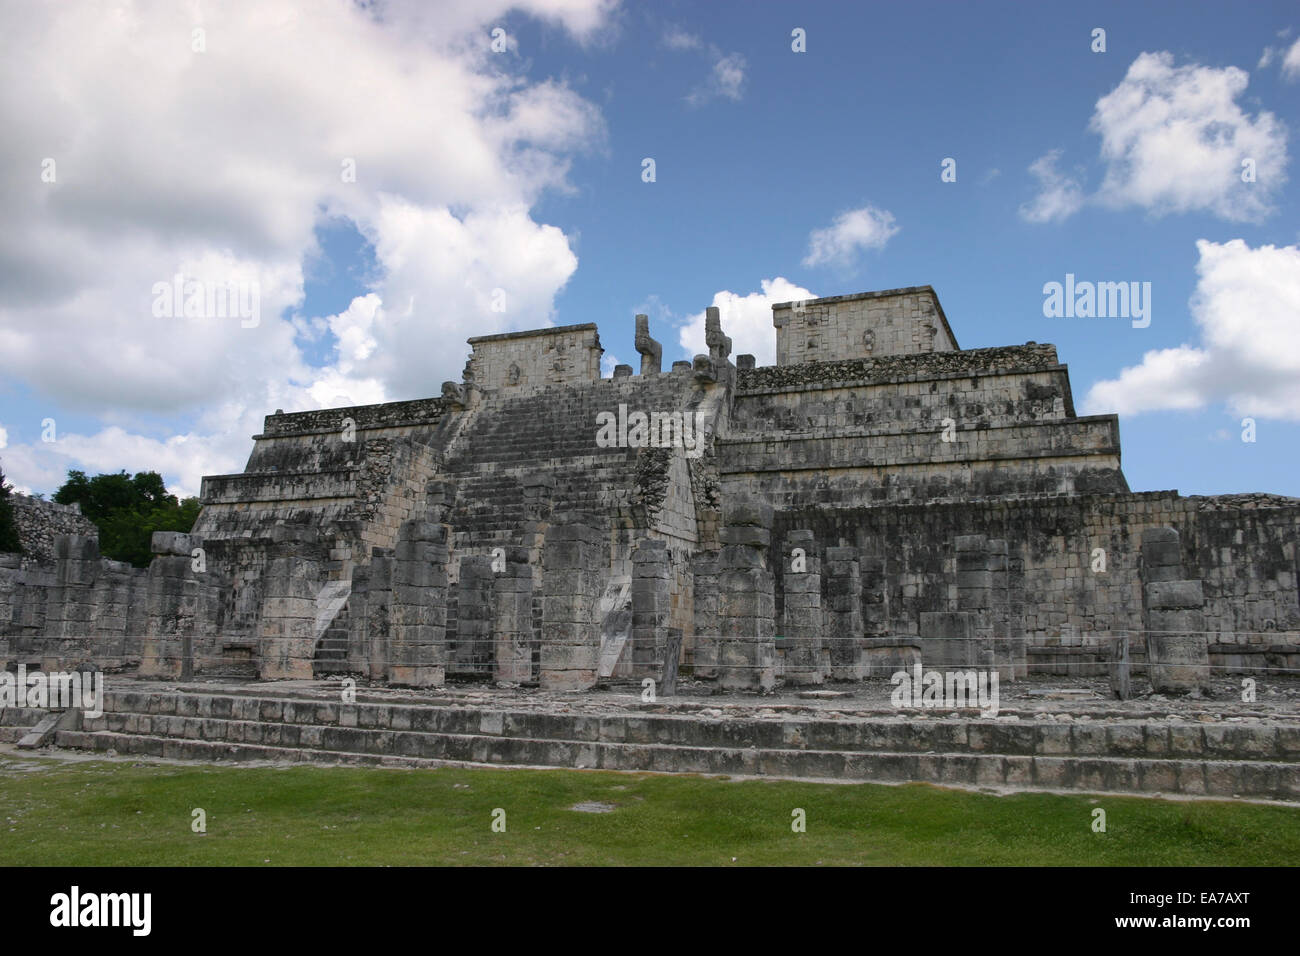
{"type": "Point", "coordinates": [1128, 738]}
{"type": "Point", "coordinates": [388, 748]}
{"type": "Point", "coordinates": [329, 665]}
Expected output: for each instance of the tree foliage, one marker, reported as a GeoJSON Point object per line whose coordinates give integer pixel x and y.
{"type": "Point", "coordinates": [128, 510]}
{"type": "Point", "coordinates": [9, 542]}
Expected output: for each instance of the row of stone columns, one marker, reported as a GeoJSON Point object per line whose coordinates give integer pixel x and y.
{"type": "Point", "coordinates": [398, 613]}
{"type": "Point", "coordinates": [834, 603]}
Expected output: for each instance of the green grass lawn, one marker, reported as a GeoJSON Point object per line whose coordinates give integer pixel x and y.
{"type": "Point", "coordinates": [101, 813]}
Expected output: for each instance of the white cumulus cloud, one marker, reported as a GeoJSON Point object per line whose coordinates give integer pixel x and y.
{"type": "Point", "coordinates": [856, 229]}
{"type": "Point", "coordinates": [1174, 138]}
{"type": "Point", "coordinates": [1248, 357]}
{"type": "Point", "coordinates": [220, 166]}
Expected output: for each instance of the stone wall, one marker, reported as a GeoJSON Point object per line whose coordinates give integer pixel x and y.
{"type": "Point", "coordinates": [78, 609]}
{"type": "Point", "coordinates": [1031, 356]}
{"type": "Point", "coordinates": [39, 522]}
{"type": "Point", "coordinates": [893, 322]}
{"type": "Point", "coordinates": [943, 426]}
{"type": "Point", "coordinates": [566, 355]}
{"type": "Point", "coordinates": [361, 464]}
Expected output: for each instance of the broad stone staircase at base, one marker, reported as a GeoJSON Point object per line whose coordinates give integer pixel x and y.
{"type": "Point", "coordinates": [1258, 760]}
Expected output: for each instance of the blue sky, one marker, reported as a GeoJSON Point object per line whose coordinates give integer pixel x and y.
{"type": "Point", "coordinates": [522, 171]}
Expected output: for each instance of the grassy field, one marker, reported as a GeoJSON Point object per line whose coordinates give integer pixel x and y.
{"type": "Point", "coordinates": [119, 813]}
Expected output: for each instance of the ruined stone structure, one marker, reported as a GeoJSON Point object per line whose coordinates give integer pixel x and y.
{"type": "Point", "coordinates": [878, 496]}
{"type": "Point", "coordinates": [39, 522]}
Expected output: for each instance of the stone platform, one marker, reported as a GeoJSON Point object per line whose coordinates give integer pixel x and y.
{"type": "Point", "coordinates": [1058, 735]}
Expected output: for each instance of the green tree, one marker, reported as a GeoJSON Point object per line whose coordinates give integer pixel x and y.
{"type": "Point", "coordinates": [128, 510]}
{"type": "Point", "coordinates": [9, 542]}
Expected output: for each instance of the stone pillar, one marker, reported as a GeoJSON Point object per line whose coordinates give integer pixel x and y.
{"type": "Point", "coordinates": [379, 610]}
{"type": "Point", "coordinates": [76, 569]}
{"type": "Point", "coordinates": [210, 619]}
{"type": "Point", "coordinates": [10, 565]}
{"type": "Point", "coordinates": [885, 655]}
{"type": "Point", "coordinates": [419, 614]}
{"type": "Point", "coordinates": [651, 606]}
{"type": "Point", "coordinates": [137, 614]}
{"type": "Point", "coordinates": [746, 602]}
{"type": "Point", "coordinates": [966, 638]}
{"type": "Point", "coordinates": [704, 577]}
{"type": "Point", "coordinates": [1010, 653]}
{"type": "Point", "coordinates": [30, 602]}
{"type": "Point", "coordinates": [875, 595]}
{"type": "Point", "coordinates": [1120, 670]}
{"type": "Point", "coordinates": [1178, 652]}
{"type": "Point", "coordinates": [974, 579]}
{"type": "Point", "coordinates": [292, 579]}
{"type": "Point", "coordinates": [512, 623]}
{"type": "Point", "coordinates": [572, 562]}
{"type": "Point", "coordinates": [844, 613]}
{"type": "Point", "coordinates": [802, 623]}
{"type": "Point", "coordinates": [652, 352]}
{"type": "Point", "coordinates": [111, 596]}
{"type": "Point", "coordinates": [173, 603]}
{"type": "Point", "coordinates": [358, 656]}
{"type": "Point", "coordinates": [982, 570]}
{"type": "Point", "coordinates": [472, 652]}
{"type": "Point", "coordinates": [70, 604]}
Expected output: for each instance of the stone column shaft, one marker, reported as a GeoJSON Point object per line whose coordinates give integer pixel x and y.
{"type": "Point", "coordinates": [572, 561]}
{"type": "Point", "coordinates": [746, 601]}
{"type": "Point", "coordinates": [803, 621]}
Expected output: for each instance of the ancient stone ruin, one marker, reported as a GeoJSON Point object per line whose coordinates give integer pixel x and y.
{"type": "Point", "coordinates": [717, 568]}
{"type": "Point", "coordinates": [878, 496]}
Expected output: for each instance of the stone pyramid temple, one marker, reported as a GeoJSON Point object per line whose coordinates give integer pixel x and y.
{"type": "Point", "coordinates": [878, 496]}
